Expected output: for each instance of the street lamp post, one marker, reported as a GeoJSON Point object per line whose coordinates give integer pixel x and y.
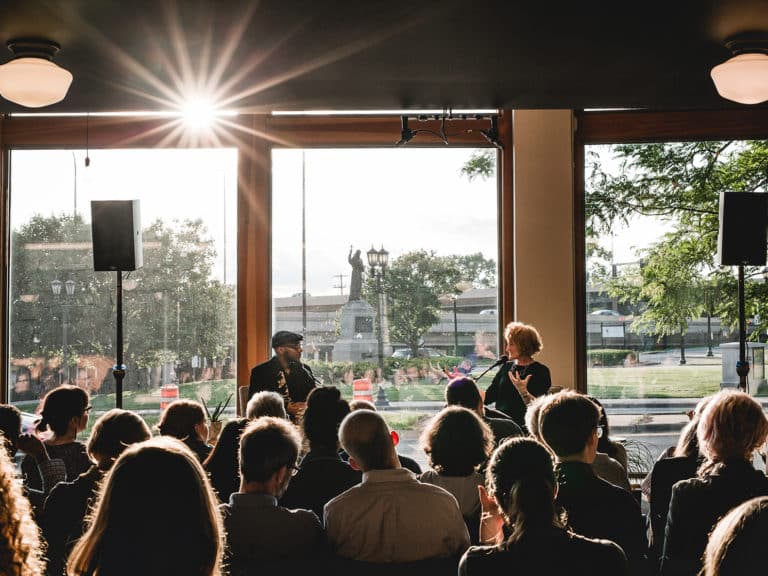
{"type": "Point", "coordinates": [377, 260]}
{"type": "Point", "coordinates": [69, 291]}
{"type": "Point", "coordinates": [455, 327]}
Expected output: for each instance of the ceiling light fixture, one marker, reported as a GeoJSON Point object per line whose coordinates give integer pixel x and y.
{"type": "Point", "coordinates": [744, 77]}
{"type": "Point", "coordinates": [31, 78]}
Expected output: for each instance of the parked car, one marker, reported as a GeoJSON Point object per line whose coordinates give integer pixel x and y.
{"type": "Point", "coordinates": [604, 313]}
{"type": "Point", "coordinates": [405, 353]}
{"type": "Point", "coordinates": [489, 312]}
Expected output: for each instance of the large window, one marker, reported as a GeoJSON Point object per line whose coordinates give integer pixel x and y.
{"type": "Point", "coordinates": [386, 259]}
{"type": "Point", "coordinates": [179, 309]}
{"type": "Point", "coordinates": [661, 329]}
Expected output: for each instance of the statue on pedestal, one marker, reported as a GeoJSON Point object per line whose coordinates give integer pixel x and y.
{"type": "Point", "coordinates": [356, 281]}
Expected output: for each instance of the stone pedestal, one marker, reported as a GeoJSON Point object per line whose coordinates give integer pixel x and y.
{"type": "Point", "coordinates": [358, 338]}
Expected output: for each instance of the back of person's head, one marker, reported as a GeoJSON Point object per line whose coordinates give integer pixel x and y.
{"type": "Point", "coordinates": [155, 515]}
{"type": "Point", "coordinates": [521, 478]}
{"type": "Point", "coordinates": [266, 445]}
{"type": "Point", "coordinates": [688, 442]}
{"type": "Point", "coordinates": [180, 418]}
{"type": "Point", "coordinates": [367, 439]}
{"type": "Point", "coordinates": [59, 406]}
{"type": "Point", "coordinates": [735, 545]}
{"type": "Point", "coordinates": [20, 548]}
{"type": "Point", "coordinates": [456, 441]}
{"type": "Point", "coordinates": [10, 426]}
{"type": "Point", "coordinates": [525, 337]}
{"type": "Point", "coordinates": [112, 433]}
{"type": "Point", "coordinates": [265, 403]}
{"type": "Point", "coordinates": [462, 391]}
{"type": "Point", "coordinates": [362, 405]}
{"type": "Point", "coordinates": [532, 414]}
{"type": "Point", "coordinates": [567, 421]}
{"type": "Point", "coordinates": [323, 415]}
{"type": "Point", "coordinates": [604, 442]}
{"type": "Point", "coordinates": [732, 425]}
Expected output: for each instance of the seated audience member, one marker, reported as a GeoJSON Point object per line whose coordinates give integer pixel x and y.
{"type": "Point", "coordinates": [21, 552]}
{"type": "Point", "coordinates": [735, 546]}
{"type": "Point", "coordinates": [390, 517]}
{"type": "Point", "coordinates": [405, 461]}
{"type": "Point", "coordinates": [65, 413]}
{"type": "Point", "coordinates": [322, 474]}
{"type": "Point", "coordinates": [155, 515]}
{"type": "Point", "coordinates": [732, 426]}
{"type": "Point", "coordinates": [569, 423]}
{"type": "Point", "coordinates": [521, 502]}
{"type": "Point", "coordinates": [186, 420]}
{"type": "Point", "coordinates": [463, 391]}
{"type": "Point", "coordinates": [62, 520]}
{"type": "Point", "coordinates": [680, 464]}
{"type": "Point", "coordinates": [458, 443]}
{"type": "Point", "coordinates": [263, 537]}
{"type": "Point", "coordinates": [532, 413]}
{"type": "Point", "coordinates": [221, 464]}
{"type": "Point", "coordinates": [607, 446]}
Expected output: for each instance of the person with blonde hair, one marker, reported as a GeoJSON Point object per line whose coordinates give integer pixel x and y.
{"type": "Point", "coordinates": [522, 529]}
{"type": "Point", "coordinates": [735, 546]}
{"type": "Point", "coordinates": [155, 515]}
{"type": "Point", "coordinates": [732, 426]}
{"type": "Point", "coordinates": [68, 503]}
{"type": "Point", "coordinates": [523, 378]}
{"type": "Point", "coordinates": [186, 420]}
{"type": "Point", "coordinates": [20, 548]}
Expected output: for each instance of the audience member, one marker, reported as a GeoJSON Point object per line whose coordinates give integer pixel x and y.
{"type": "Point", "coordinates": [263, 537]}
{"type": "Point", "coordinates": [186, 420]}
{"type": "Point", "coordinates": [221, 464]}
{"type": "Point", "coordinates": [735, 546]}
{"type": "Point", "coordinates": [463, 391]}
{"type": "Point", "coordinates": [67, 505]}
{"type": "Point", "coordinates": [532, 414]}
{"type": "Point", "coordinates": [732, 426]}
{"type": "Point", "coordinates": [606, 466]}
{"type": "Point", "coordinates": [390, 516]}
{"type": "Point", "coordinates": [155, 515]}
{"type": "Point", "coordinates": [322, 474]}
{"type": "Point", "coordinates": [520, 500]}
{"type": "Point", "coordinates": [605, 444]}
{"type": "Point", "coordinates": [516, 383]}
{"type": "Point", "coordinates": [65, 413]}
{"type": "Point", "coordinates": [458, 443]}
{"type": "Point", "coordinates": [10, 427]}
{"type": "Point", "coordinates": [405, 461]}
{"type": "Point", "coordinates": [569, 423]}
{"type": "Point", "coordinates": [21, 552]}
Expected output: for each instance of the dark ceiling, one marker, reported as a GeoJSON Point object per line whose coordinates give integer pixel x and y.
{"type": "Point", "coordinates": [385, 54]}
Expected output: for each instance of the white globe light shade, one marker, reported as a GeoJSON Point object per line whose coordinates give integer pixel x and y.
{"type": "Point", "coordinates": [743, 78]}
{"type": "Point", "coordinates": [34, 82]}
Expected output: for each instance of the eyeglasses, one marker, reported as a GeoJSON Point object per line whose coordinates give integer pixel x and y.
{"type": "Point", "coordinates": [294, 470]}
{"type": "Point", "coordinates": [88, 409]}
{"type": "Point", "coordinates": [600, 431]}
{"type": "Point", "coordinates": [296, 347]}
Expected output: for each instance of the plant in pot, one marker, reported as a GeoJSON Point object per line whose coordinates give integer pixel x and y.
{"type": "Point", "coordinates": [215, 418]}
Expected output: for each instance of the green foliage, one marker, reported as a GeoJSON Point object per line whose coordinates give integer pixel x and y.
{"type": "Point", "coordinates": [218, 409]}
{"type": "Point", "coordinates": [607, 357]}
{"type": "Point", "coordinates": [482, 164]}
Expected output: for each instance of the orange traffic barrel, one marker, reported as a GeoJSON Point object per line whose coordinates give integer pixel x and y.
{"type": "Point", "coordinates": [168, 393]}
{"type": "Point", "coordinates": [362, 389]}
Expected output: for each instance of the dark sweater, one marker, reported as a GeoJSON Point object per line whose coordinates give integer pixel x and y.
{"type": "Point", "coordinates": [505, 394]}
{"type": "Point", "coordinates": [73, 454]}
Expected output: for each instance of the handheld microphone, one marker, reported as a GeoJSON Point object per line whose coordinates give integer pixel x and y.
{"type": "Point", "coordinates": [502, 360]}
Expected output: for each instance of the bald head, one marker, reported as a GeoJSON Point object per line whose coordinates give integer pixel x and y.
{"type": "Point", "coordinates": [366, 438]}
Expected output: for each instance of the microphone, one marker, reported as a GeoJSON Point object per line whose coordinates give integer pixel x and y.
{"type": "Point", "coordinates": [502, 360]}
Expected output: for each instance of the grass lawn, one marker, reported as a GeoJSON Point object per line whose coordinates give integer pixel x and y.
{"type": "Point", "coordinates": [654, 381]}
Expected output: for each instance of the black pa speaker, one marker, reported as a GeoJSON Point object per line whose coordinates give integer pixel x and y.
{"type": "Point", "coordinates": [116, 235]}
{"type": "Point", "coordinates": [743, 223]}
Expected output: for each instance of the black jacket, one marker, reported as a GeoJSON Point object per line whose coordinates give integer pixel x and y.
{"type": "Point", "coordinates": [505, 394]}
{"type": "Point", "coordinates": [696, 506]}
{"type": "Point", "coordinates": [598, 509]}
{"type": "Point", "coordinates": [266, 376]}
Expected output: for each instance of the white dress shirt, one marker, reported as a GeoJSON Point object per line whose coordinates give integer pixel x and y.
{"type": "Point", "coordinates": [392, 517]}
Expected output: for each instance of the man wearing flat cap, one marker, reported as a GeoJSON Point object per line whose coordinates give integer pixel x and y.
{"type": "Point", "coordinates": [284, 373]}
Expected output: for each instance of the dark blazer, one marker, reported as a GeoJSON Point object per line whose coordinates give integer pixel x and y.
{"type": "Point", "coordinates": [598, 509]}
{"type": "Point", "coordinates": [322, 476]}
{"type": "Point", "coordinates": [63, 518]}
{"type": "Point", "coordinates": [696, 506]}
{"type": "Point", "coordinates": [505, 394]}
{"type": "Point", "coordinates": [502, 428]}
{"type": "Point", "coordinates": [266, 375]}
{"type": "Point", "coordinates": [555, 553]}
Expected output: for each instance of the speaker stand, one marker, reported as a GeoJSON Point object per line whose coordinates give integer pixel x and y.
{"type": "Point", "coordinates": [742, 366]}
{"type": "Point", "coordinates": [118, 370]}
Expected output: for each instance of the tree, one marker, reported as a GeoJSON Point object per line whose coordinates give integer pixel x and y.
{"type": "Point", "coordinates": [679, 182]}
{"type": "Point", "coordinates": [414, 283]}
{"type": "Point", "coordinates": [482, 164]}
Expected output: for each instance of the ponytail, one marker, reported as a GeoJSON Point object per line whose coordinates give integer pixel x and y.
{"type": "Point", "coordinates": [530, 507]}
{"type": "Point", "coordinates": [42, 425]}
